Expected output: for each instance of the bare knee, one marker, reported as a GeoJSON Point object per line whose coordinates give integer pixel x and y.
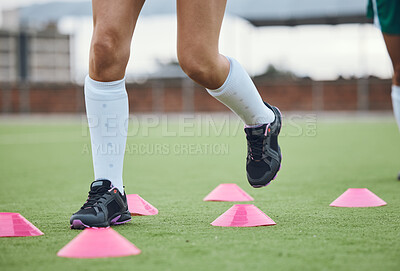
{"type": "Point", "coordinates": [194, 66]}
{"type": "Point", "coordinates": [108, 56]}
{"type": "Point", "coordinates": [208, 71]}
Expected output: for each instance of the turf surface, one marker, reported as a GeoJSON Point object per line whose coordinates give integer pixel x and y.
{"type": "Point", "coordinates": [46, 170]}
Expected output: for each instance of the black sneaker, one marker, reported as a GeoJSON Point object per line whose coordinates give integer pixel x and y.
{"type": "Point", "coordinates": [104, 207]}
{"type": "Point", "coordinates": [263, 152]}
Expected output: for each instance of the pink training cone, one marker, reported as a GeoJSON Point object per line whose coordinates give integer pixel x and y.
{"type": "Point", "coordinates": [228, 192]}
{"type": "Point", "coordinates": [138, 206]}
{"type": "Point", "coordinates": [243, 215]}
{"type": "Point", "coordinates": [98, 243]}
{"type": "Point", "coordinates": [15, 225]}
{"type": "Point", "coordinates": [358, 197]}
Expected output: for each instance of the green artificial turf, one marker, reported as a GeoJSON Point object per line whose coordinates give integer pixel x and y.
{"type": "Point", "coordinates": [46, 170]}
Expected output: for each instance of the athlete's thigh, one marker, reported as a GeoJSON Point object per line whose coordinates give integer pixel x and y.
{"type": "Point", "coordinates": [199, 24]}
{"type": "Point", "coordinates": [393, 47]}
{"type": "Point", "coordinates": [115, 18]}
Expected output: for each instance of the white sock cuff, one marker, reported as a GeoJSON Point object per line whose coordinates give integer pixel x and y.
{"type": "Point", "coordinates": [396, 92]}
{"type": "Point", "coordinates": [226, 85]}
{"type": "Point", "coordinates": [105, 91]}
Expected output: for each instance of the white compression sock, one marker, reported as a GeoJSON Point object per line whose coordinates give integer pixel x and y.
{"type": "Point", "coordinates": [108, 112]}
{"type": "Point", "coordinates": [396, 103]}
{"type": "Point", "coordinates": [241, 96]}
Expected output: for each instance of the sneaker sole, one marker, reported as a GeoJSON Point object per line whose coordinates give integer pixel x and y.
{"type": "Point", "coordinates": [77, 224]}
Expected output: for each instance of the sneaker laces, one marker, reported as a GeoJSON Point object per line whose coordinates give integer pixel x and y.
{"type": "Point", "coordinates": [256, 146]}
{"type": "Point", "coordinates": [94, 196]}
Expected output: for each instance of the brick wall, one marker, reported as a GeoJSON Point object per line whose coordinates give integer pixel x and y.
{"type": "Point", "coordinates": [288, 95]}
{"type": "Point", "coordinates": [340, 96]}
{"type": "Point", "coordinates": [380, 95]}
{"type": "Point", "coordinates": [167, 96]}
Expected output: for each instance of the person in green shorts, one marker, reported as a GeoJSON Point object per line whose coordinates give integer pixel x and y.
{"type": "Point", "coordinates": [386, 14]}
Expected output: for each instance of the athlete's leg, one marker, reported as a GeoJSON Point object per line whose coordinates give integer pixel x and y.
{"type": "Point", "coordinates": [106, 98]}
{"type": "Point", "coordinates": [386, 15]}
{"type": "Point", "coordinates": [199, 24]}
{"type": "Point", "coordinates": [393, 47]}
{"type": "Point", "coordinates": [113, 26]}
{"type": "Point", "coordinates": [107, 111]}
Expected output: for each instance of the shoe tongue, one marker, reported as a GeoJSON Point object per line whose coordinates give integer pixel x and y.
{"type": "Point", "coordinates": [256, 131]}
{"type": "Point", "coordinates": [100, 183]}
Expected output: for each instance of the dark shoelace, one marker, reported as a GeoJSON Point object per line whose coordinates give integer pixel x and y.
{"type": "Point", "coordinates": [256, 147]}
{"type": "Point", "coordinates": [94, 196]}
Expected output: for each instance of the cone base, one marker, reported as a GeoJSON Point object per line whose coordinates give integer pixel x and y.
{"type": "Point", "coordinates": [98, 243]}
{"type": "Point", "coordinates": [243, 215]}
{"type": "Point", "coordinates": [343, 206]}
{"type": "Point", "coordinates": [15, 225]}
{"type": "Point", "coordinates": [358, 198]}
{"type": "Point", "coordinates": [139, 207]}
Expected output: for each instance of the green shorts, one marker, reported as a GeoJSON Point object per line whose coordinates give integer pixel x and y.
{"type": "Point", "coordinates": [386, 14]}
